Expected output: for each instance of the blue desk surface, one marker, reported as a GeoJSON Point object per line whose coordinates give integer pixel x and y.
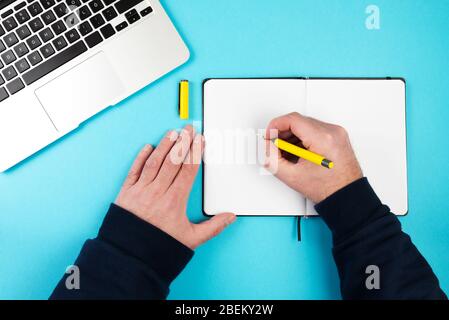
{"type": "Point", "coordinates": [52, 203]}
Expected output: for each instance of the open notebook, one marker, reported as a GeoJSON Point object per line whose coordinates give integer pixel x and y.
{"type": "Point", "coordinates": [237, 110]}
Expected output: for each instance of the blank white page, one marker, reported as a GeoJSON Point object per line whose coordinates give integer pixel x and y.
{"type": "Point", "coordinates": [235, 110]}
{"type": "Point", "coordinates": [373, 112]}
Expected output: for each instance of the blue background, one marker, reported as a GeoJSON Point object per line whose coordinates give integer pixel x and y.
{"type": "Point", "coordinates": [53, 202]}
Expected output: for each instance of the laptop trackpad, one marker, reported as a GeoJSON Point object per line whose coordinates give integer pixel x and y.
{"type": "Point", "coordinates": [81, 92]}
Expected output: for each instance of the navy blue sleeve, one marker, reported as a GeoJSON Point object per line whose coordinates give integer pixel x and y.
{"type": "Point", "coordinates": [365, 233]}
{"type": "Point", "coordinates": [129, 259]}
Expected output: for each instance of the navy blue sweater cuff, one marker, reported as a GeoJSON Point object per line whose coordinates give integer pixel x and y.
{"type": "Point", "coordinates": [350, 208]}
{"type": "Point", "coordinates": [137, 238]}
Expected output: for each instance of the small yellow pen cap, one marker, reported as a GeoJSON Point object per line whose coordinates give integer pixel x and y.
{"type": "Point", "coordinates": [184, 99]}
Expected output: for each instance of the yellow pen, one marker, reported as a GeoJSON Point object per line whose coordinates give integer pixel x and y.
{"type": "Point", "coordinates": [303, 153]}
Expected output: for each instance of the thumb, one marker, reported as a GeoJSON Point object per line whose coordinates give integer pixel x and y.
{"type": "Point", "coordinates": [214, 226]}
{"type": "Point", "coordinates": [278, 166]}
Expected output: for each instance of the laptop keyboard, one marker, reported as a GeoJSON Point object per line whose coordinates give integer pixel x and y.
{"type": "Point", "coordinates": [39, 36]}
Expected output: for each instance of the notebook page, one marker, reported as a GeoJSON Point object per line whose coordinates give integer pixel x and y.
{"type": "Point", "coordinates": [235, 110]}
{"type": "Point", "coordinates": [373, 112]}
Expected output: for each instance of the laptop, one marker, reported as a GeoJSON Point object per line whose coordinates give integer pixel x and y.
{"type": "Point", "coordinates": [63, 61]}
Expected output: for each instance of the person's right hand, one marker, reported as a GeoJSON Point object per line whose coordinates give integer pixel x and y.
{"type": "Point", "coordinates": [313, 181]}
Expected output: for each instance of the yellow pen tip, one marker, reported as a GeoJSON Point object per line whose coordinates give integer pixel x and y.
{"type": "Point", "coordinates": [331, 165]}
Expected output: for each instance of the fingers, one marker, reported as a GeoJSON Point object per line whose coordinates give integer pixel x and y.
{"type": "Point", "coordinates": [175, 158]}
{"type": "Point", "coordinates": [137, 167]}
{"type": "Point", "coordinates": [296, 123]}
{"type": "Point", "coordinates": [154, 162]}
{"type": "Point", "coordinates": [213, 227]}
{"type": "Point", "coordinates": [280, 167]}
{"type": "Point", "coordinates": [184, 181]}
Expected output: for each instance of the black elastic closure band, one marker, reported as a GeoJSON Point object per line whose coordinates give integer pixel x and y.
{"type": "Point", "coordinates": [299, 229]}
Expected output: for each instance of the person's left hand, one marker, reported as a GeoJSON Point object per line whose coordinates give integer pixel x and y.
{"type": "Point", "coordinates": [159, 183]}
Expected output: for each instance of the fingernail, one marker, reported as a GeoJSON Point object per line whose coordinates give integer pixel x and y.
{"type": "Point", "coordinates": [232, 219]}
{"type": "Point", "coordinates": [147, 147]}
{"type": "Point", "coordinates": [187, 129]}
{"type": "Point", "coordinates": [198, 139]}
{"type": "Point", "coordinates": [266, 164]}
{"type": "Point", "coordinates": [173, 135]}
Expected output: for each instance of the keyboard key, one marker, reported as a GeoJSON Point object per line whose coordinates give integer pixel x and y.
{"type": "Point", "coordinates": [108, 2]}
{"type": "Point", "coordinates": [96, 5]}
{"type": "Point", "coordinates": [72, 35]}
{"type": "Point", "coordinates": [58, 27]}
{"type": "Point", "coordinates": [20, 5]}
{"type": "Point", "coordinates": [109, 13]}
{"type": "Point", "coordinates": [22, 65]}
{"type": "Point", "coordinates": [10, 23]}
{"type": "Point", "coordinates": [23, 32]}
{"type": "Point", "coordinates": [84, 12]}
{"type": "Point", "coordinates": [21, 49]}
{"type": "Point", "coordinates": [61, 10]}
{"type": "Point", "coordinates": [9, 73]}
{"type": "Point", "coordinates": [94, 39]}
{"type": "Point", "coordinates": [47, 3]}
{"type": "Point", "coordinates": [55, 62]}
{"type": "Point", "coordinates": [47, 50]}
{"type": "Point", "coordinates": [124, 5]}
{"type": "Point", "coordinates": [15, 86]}
{"type": "Point", "coordinates": [85, 28]}
{"type": "Point", "coordinates": [97, 21]}
{"type": "Point", "coordinates": [2, 81]}
{"type": "Point", "coordinates": [146, 11]}
{"type": "Point", "coordinates": [107, 31]}
{"type": "Point", "coordinates": [35, 9]}
{"type": "Point", "coordinates": [71, 20]}
{"type": "Point", "coordinates": [74, 4]}
{"type": "Point", "coordinates": [48, 17]}
{"type": "Point", "coordinates": [3, 94]}
{"type": "Point", "coordinates": [121, 26]}
{"type": "Point", "coordinates": [22, 16]}
{"type": "Point", "coordinates": [36, 24]}
{"type": "Point", "coordinates": [2, 46]}
{"type": "Point", "coordinates": [7, 13]}
{"type": "Point", "coordinates": [2, 31]}
{"type": "Point", "coordinates": [132, 16]}
{"type": "Point", "coordinates": [60, 43]}
{"type": "Point", "coordinates": [10, 39]}
{"type": "Point", "coordinates": [34, 42]}
{"type": "Point", "coordinates": [8, 57]}
{"type": "Point", "coordinates": [34, 58]}
{"type": "Point", "coordinates": [46, 35]}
